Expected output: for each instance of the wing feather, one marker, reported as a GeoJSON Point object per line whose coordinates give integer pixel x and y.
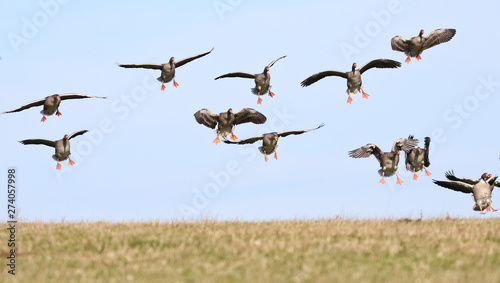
{"type": "Point", "coordinates": [207, 118]}
{"type": "Point", "coordinates": [438, 36]}
{"type": "Point", "coordinates": [246, 115]}
{"type": "Point", "coordinates": [380, 63]}
{"type": "Point", "coordinates": [284, 134]}
{"type": "Point", "coordinates": [143, 66]}
{"type": "Point", "coordinates": [189, 59]}
{"type": "Point", "coordinates": [318, 76]}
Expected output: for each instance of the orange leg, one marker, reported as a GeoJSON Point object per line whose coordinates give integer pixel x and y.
{"type": "Point", "coordinates": [349, 99]}
{"type": "Point", "coordinates": [399, 181]}
{"type": "Point", "coordinates": [408, 59]}
{"type": "Point", "coordinates": [490, 208]}
{"type": "Point", "coordinates": [175, 83]}
{"type": "Point", "coordinates": [418, 57]}
{"type": "Point", "coordinates": [415, 177]}
{"type": "Point", "coordinates": [427, 173]}
{"type": "Point", "coordinates": [265, 156]}
{"type": "Point", "coordinates": [217, 140]}
{"type": "Point", "coordinates": [271, 94]}
{"type": "Point", "coordinates": [382, 181]}
{"type": "Point", "coordinates": [365, 95]}
{"type": "Point", "coordinates": [162, 85]}
{"type": "Point", "coordinates": [58, 113]}
{"type": "Point", "coordinates": [474, 207]}
{"type": "Point", "coordinates": [275, 154]}
{"type": "Point", "coordinates": [233, 137]}
{"type": "Point", "coordinates": [58, 166]}
{"type": "Point", "coordinates": [44, 118]}
{"type": "Point", "coordinates": [70, 162]}
{"type": "Point", "coordinates": [259, 101]}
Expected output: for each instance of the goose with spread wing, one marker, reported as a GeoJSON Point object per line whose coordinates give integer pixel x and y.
{"type": "Point", "coordinates": [262, 80]}
{"type": "Point", "coordinates": [354, 83]}
{"type": "Point", "coordinates": [270, 140]}
{"type": "Point", "coordinates": [414, 46]}
{"type": "Point", "coordinates": [226, 121]}
{"type": "Point", "coordinates": [480, 189]}
{"type": "Point", "coordinates": [167, 69]}
{"type": "Point", "coordinates": [388, 160]}
{"type": "Point", "coordinates": [51, 103]}
{"type": "Point", "coordinates": [417, 158]}
{"type": "Point", "coordinates": [61, 146]}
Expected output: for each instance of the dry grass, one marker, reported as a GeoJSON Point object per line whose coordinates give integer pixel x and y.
{"type": "Point", "coordinates": [435, 250]}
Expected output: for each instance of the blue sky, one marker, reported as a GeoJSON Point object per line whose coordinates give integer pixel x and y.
{"type": "Point", "coordinates": [145, 157]}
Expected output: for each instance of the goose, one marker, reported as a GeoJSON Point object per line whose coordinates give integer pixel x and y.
{"type": "Point", "coordinates": [354, 83]}
{"type": "Point", "coordinates": [388, 160]}
{"type": "Point", "coordinates": [262, 80]}
{"type": "Point", "coordinates": [414, 46]}
{"type": "Point", "coordinates": [61, 146]}
{"type": "Point", "coordinates": [51, 103]}
{"type": "Point", "coordinates": [270, 141]}
{"type": "Point", "coordinates": [167, 69]}
{"type": "Point", "coordinates": [417, 159]}
{"type": "Point", "coordinates": [481, 189]}
{"type": "Point", "coordinates": [226, 121]}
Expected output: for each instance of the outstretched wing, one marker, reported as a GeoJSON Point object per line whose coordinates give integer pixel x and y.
{"type": "Point", "coordinates": [39, 141]}
{"type": "Point", "coordinates": [246, 115]}
{"type": "Point", "coordinates": [75, 134]}
{"type": "Point", "coordinates": [366, 151]}
{"type": "Point", "coordinates": [318, 76]}
{"type": "Point", "coordinates": [237, 75]}
{"type": "Point", "coordinates": [399, 43]}
{"type": "Point", "coordinates": [404, 144]}
{"type": "Point", "coordinates": [77, 96]}
{"type": "Point", "coordinates": [272, 63]}
{"type": "Point", "coordinates": [438, 36]}
{"type": "Point", "coordinates": [450, 175]}
{"type": "Point", "coordinates": [245, 141]}
{"type": "Point", "coordinates": [207, 118]}
{"type": "Point", "coordinates": [456, 186]}
{"type": "Point", "coordinates": [284, 134]}
{"type": "Point", "coordinates": [189, 59]}
{"type": "Point", "coordinates": [29, 105]}
{"type": "Point", "coordinates": [143, 66]}
{"type": "Point", "coordinates": [380, 63]}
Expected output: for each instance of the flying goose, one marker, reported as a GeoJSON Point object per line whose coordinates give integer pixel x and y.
{"type": "Point", "coordinates": [418, 158]}
{"type": "Point", "coordinates": [481, 189]}
{"type": "Point", "coordinates": [61, 146]}
{"type": "Point", "coordinates": [388, 160]}
{"type": "Point", "coordinates": [270, 141]}
{"type": "Point", "coordinates": [354, 83]}
{"type": "Point", "coordinates": [414, 46]}
{"type": "Point", "coordinates": [227, 120]}
{"type": "Point", "coordinates": [167, 69]}
{"type": "Point", "coordinates": [262, 80]}
{"type": "Point", "coordinates": [51, 103]}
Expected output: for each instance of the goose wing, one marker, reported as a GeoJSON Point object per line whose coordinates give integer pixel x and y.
{"type": "Point", "coordinates": [207, 118]}
{"type": "Point", "coordinates": [438, 36]}
{"type": "Point", "coordinates": [246, 115]}
{"type": "Point", "coordinates": [380, 63]}
{"type": "Point", "coordinates": [287, 133]}
{"type": "Point", "coordinates": [39, 102]}
{"type": "Point", "coordinates": [39, 141]}
{"type": "Point", "coordinates": [274, 61]}
{"type": "Point", "coordinates": [399, 43]}
{"type": "Point", "coordinates": [318, 76]}
{"type": "Point", "coordinates": [75, 134]}
{"type": "Point", "coordinates": [189, 59]}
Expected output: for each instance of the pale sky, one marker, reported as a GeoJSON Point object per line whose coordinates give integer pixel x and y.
{"type": "Point", "coordinates": [145, 157]}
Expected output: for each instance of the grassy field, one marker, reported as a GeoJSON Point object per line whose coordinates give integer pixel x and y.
{"type": "Point", "coordinates": [336, 250]}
